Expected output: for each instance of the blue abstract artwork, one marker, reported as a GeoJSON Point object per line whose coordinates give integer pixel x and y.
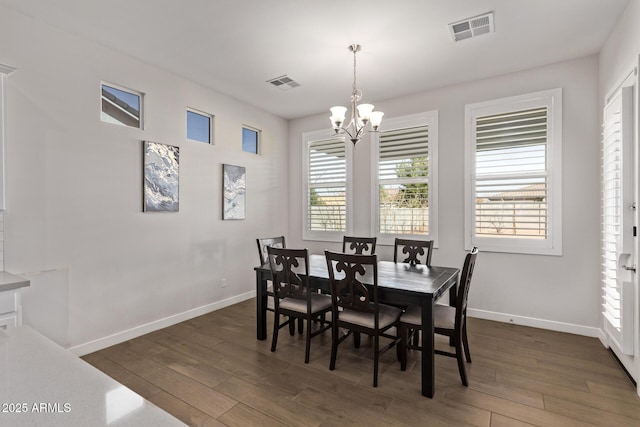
{"type": "Point", "coordinates": [234, 182]}
{"type": "Point", "coordinates": [161, 177]}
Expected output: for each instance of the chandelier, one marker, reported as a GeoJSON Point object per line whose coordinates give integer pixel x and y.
{"type": "Point", "coordinates": [361, 115]}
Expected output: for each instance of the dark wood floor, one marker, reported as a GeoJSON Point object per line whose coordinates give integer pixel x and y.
{"type": "Point", "coordinates": [211, 371]}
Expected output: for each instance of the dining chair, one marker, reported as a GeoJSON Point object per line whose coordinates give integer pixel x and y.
{"type": "Point", "coordinates": [355, 306]}
{"type": "Point", "coordinates": [413, 251]}
{"type": "Point", "coordinates": [359, 245]}
{"type": "Point", "coordinates": [263, 244]}
{"type": "Point", "coordinates": [293, 296]}
{"type": "Point", "coordinates": [449, 321]}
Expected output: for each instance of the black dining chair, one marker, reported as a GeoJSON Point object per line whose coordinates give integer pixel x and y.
{"type": "Point", "coordinates": [359, 245]}
{"type": "Point", "coordinates": [413, 251]}
{"type": "Point", "coordinates": [293, 296]}
{"type": "Point", "coordinates": [448, 321]}
{"type": "Point", "coordinates": [263, 244]}
{"type": "Point", "coordinates": [356, 307]}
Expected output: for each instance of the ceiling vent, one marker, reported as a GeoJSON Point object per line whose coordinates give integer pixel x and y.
{"type": "Point", "coordinates": [472, 27]}
{"type": "Point", "coordinates": [284, 82]}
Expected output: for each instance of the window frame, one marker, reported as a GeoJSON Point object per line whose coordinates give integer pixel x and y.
{"type": "Point", "coordinates": [552, 245]}
{"type": "Point", "coordinates": [322, 235]}
{"type": "Point", "coordinates": [139, 94]}
{"type": "Point", "coordinates": [427, 118]}
{"type": "Point", "coordinates": [258, 139]}
{"type": "Point", "coordinates": [203, 114]}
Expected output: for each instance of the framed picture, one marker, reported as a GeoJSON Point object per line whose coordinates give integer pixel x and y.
{"type": "Point", "coordinates": [234, 183]}
{"type": "Point", "coordinates": [161, 177]}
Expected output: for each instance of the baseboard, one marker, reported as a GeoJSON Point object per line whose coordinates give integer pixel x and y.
{"type": "Point", "coordinates": [99, 344]}
{"type": "Point", "coordinates": [604, 339]}
{"type": "Point", "coordinates": [536, 323]}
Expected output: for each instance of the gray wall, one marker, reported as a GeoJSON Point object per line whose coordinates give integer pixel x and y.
{"type": "Point", "coordinates": [556, 292]}
{"type": "Point", "coordinates": [74, 222]}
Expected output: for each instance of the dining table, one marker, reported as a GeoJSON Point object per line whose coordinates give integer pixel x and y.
{"type": "Point", "coordinates": [398, 283]}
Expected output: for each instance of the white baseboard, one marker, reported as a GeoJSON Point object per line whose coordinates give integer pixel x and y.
{"type": "Point", "coordinates": [536, 323]}
{"type": "Point", "coordinates": [604, 339]}
{"type": "Point", "coordinates": [99, 344]}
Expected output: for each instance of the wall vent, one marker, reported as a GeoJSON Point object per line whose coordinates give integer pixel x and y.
{"type": "Point", "coordinates": [472, 27]}
{"type": "Point", "coordinates": [284, 82]}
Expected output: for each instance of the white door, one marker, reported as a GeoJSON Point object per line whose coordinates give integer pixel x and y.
{"type": "Point", "coordinates": [619, 228]}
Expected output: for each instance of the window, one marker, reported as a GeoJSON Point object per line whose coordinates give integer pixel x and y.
{"type": "Point", "coordinates": [199, 126]}
{"type": "Point", "coordinates": [513, 162]}
{"type": "Point", "coordinates": [250, 140]}
{"type": "Point", "coordinates": [406, 190]}
{"type": "Point", "coordinates": [121, 106]}
{"type": "Point", "coordinates": [326, 174]}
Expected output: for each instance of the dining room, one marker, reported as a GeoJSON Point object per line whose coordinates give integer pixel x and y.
{"type": "Point", "coordinates": [163, 295]}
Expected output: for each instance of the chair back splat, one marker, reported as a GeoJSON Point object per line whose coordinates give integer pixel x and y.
{"type": "Point", "coordinates": [276, 242]}
{"type": "Point", "coordinates": [359, 245]}
{"type": "Point", "coordinates": [413, 251]}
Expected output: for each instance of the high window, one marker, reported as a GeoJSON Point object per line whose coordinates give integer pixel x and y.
{"type": "Point", "coordinates": [121, 106]}
{"type": "Point", "coordinates": [406, 164]}
{"type": "Point", "coordinates": [513, 164]}
{"type": "Point", "coordinates": [199, 126]}
{"type": "Point", "coordinates": [327, 174]}
{"type": "Point", "coordinates": [250, 140]}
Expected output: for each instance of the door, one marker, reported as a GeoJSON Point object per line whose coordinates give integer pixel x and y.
{"type": "Point", "coordinates": [618, 228]}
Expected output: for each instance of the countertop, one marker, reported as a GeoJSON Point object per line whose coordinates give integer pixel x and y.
{"type": "Point", "coordinates": [43, 384]}
{"type": "Point", "coordinates": [10, 281]}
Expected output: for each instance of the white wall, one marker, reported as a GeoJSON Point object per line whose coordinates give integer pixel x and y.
{"type": "Point", "coordinates": [74, 187]}
{"type": "Point", "coordinates": [560, 293]}
{"type": "Point", "coordinates": [618, 56]}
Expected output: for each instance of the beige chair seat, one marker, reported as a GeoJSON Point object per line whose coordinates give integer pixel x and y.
{"type": "Point", "coordinates": [444, 316]}
{"type": "Point", "coordinates": [388, 315]}
{"type": "Point", "coordinates": [319, 302]}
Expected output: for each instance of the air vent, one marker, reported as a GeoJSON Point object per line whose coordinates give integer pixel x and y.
{"type": "Point", "coordinates": [472, 27]}
{"type": "Point", "coordinates": [284, 82]}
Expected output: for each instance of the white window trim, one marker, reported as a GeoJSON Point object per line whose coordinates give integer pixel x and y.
{"type": "Point", "coordinates": [131, 91]}
{"type": "Point", "coordinates": [429, 118]}
{"type": "Point", "coordinates": [258, 142]}
{"type": "Point", "coordinates": [552, 99]}
{"type": "Point", "coordinates": [5, 71]}
{"type": "Point", "coordinates": [202, 113]}
{"type": "Point", "coordinates": [319, 235]}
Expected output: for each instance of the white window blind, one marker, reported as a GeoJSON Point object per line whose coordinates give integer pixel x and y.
{"type": "Point", "coordinates": [513, 161]}
{"type": "Point", "coordinates": [511, 174]}
{"type": "Point", "coordinates": [403, 174]}
{"type": "Point", "coordinates": [326, 185]}
{"type": "Point", "coordinates": [617, 239]}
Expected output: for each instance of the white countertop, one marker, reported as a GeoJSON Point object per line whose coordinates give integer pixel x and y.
{"type": "Point", "coordinates": [42, 384]}
{"type": "Point", "coordinates": [10, 281]}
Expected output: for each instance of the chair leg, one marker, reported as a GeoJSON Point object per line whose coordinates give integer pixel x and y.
{"type": "Point", "coordinates": [292, 327]}
{"type": "Point", "coordinates": [307, 349]}
{"type": "Point", "coordinates": [356, 339]}
{"type": "Point", "coordinates": [403, 347]}
{"type": "Point", "coordinates": [334, 345]}
{"type": "Point", "coordinates": [300, 325]}
{"type": "Point", "coordinates": [460, 359]}
{"type": "Point", "coordinates": [466, 340]}
{"type": "Point", "coordinates": [416, 337]}
{"type": "Point", "coordinates": [376, 356]}
{"type": "Point", "coordinates": [276, 328]}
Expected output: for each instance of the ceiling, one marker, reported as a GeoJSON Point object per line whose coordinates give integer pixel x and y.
{"type": "Point", "coordinates": [235, 46]}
